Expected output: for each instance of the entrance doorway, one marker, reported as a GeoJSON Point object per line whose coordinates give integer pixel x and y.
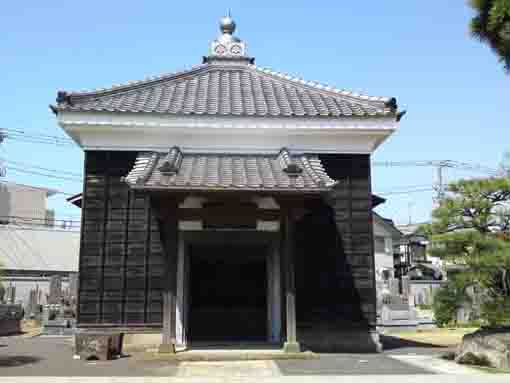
{"type": "Point", "coordinates": [227, 293]}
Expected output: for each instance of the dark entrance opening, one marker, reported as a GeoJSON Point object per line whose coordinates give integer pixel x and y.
{"type": "Point", "coordinates": [228, 294]}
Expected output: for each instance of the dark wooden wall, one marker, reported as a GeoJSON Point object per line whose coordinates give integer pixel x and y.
{"type": "Point", "coordinates": [122, 261]}
{"type": "Point", "coordinates": [121, 255]}
{"type": "Point", "coordinates": [335, 263]}
{"type": "Point", "coordinates": [351, 202]}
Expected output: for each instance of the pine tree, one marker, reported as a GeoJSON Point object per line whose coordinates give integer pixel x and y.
{"type": "Point", "coordinates": [471, 228]}
{"type": "Point", "coordinates": [492, 26]}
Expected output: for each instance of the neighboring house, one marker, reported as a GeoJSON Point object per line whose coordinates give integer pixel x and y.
{"type": "Point", "coordinates": [217, 197]}
{"type": "Point", "coordinates": [24, 204]}
{"type": "Point", "coordinates": [32, 249]}
{"type": "Point", "coordinates": [425, 273]}
{"type": "Point", "coordinates": [414, 260]}
{"type": "Point", "coordinates": [386, 238]}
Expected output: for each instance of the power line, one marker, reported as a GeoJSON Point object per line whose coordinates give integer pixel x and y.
{"type": "Point", "coordinates": [33, 220]}
{"type": "Point", "coordinates": [429, 189]}
{"type": "Point", "coordinates": [440, 166]}
{"type": "Point", "coordinates": [38, 141]}
{"type": "Point", "coordinates": [65, 172]}
{"type": "Point", "coordinates": [33, 172]}
{"type": "Point", "coordinates": [36, 135]}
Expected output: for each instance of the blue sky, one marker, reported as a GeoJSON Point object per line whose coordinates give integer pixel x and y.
{"type": "Point", "coordinates": [456, 94]}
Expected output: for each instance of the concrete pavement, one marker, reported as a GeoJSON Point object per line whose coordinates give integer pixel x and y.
{"type": "Point", "coordinates": [282, 379]}
{"type": "Point", "coordinates": [50, 360]}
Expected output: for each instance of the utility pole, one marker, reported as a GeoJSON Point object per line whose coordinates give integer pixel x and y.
{"type": "Point", "coordinates": [440, 192]}
{"type": "Point", "coordinates": [2, 167]}
{"type": "Point", "coordinates": [409, 206]}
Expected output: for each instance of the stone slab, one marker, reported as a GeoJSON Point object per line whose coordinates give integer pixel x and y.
{"type": "Point", "coordinates": [228, 355]}
{"type": "Point", "coordinates": [103, 346]}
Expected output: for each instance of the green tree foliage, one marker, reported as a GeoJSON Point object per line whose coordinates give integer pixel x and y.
{"type": "Point", "coordinates": [447, 300]}
{"type": "Point", "coordinates": [492, 26]}
{"type": "Point", "coordinates": [471, 228]}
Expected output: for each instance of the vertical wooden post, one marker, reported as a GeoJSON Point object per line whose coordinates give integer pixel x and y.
{"type": "Point", "coordinates": [277, 291]}
{"type": "Point", "coordinates": [181, 293]}
{"type": "Point", "coordinates": [291, 344]}
{"type": "Point", "coordinates": [269, 293]}
{"type": "Point", "coordinates": [169, 232]}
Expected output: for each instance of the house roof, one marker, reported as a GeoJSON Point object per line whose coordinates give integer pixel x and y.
{"type": "Point", "coordinates": [228, 83]}
{"type": "Point", "coordinates": [13, 185]}
{"type": "Point", "coordinates": [411, 229]}
{"type": "Point", "coordinates": [280, 172]}
{"type": "Point", "coordinates": [75, 199]}
{"type": "Point", "coordinates": [388, 224]}
{"type": "Point", "coordinates": [228, 87]}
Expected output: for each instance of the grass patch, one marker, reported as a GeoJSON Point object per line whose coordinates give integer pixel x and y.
{"type": "Point", "coordinates": [492, 370]}
{"type": "Point", "coordinates": [444, 337]}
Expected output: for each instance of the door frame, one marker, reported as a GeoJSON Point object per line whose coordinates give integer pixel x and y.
{"type": "Point", "coordinates": [269, 240]}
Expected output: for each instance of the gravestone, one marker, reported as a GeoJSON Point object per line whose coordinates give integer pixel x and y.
{"type": "Point", "coordinates": [57, 321]}
{"type": "Point", "coordinates": [393, 286]}
{"type": "Point", "coordinates": [398, 314]}
{"type": "Point", "coordinates": [11, 294]}
{"type": "Point", "coordinates": [55, 293]}
{"type": "Point", "coordinates": [73, 285]}
{"type": "Point", "coordinates": [406, 288]}
{"type": "Point", "coordinates": [33, 304]}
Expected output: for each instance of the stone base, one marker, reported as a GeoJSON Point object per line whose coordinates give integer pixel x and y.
{"type": "Point", "coordinates": [167, 348]}
{"type": "Point", "coordinates": [291, 347]}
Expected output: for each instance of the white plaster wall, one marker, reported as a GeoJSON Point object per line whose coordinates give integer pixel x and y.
{"type": "Point", "coordinates": [20, 201]}
{"type": "Point", "coordinates": [383, 260]}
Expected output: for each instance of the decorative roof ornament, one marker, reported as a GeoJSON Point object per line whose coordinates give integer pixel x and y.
{"type": "Point", "coordinates": [227, 46]}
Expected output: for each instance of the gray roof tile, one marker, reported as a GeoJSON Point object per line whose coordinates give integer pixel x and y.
{"type": "Point", "coordinates": [227, 88]}
{"type": "Point", "coordinates": [209, 171]}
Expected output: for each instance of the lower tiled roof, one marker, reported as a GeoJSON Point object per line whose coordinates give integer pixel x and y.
{"type": "Point", "coordinates": [210, 171]}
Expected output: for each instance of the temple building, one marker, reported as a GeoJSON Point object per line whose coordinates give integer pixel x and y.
{"type": "Point", "coordinates": [229, 203]}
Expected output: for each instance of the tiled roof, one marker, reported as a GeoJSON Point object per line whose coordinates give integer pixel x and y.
{"type": "Point", "coordinates": [226, 87]}
{"type": "Point", "coordinates": [259, 172]}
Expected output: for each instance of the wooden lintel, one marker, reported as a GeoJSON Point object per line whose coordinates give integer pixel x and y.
{"type": "Point", "coordinates": [211, 213]}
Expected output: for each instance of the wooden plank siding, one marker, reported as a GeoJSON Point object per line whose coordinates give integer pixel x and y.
{"type": "Point", "coordinates": [121, 255]}
{"type": "Point", "coordinates": [351, 202]}
{"type": "Point", "coordinates": [122, 261]}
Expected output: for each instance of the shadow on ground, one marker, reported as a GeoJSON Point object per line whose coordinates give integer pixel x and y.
{"type": "Point", "coordinates": [393, 343]}
{"type": "Point", "coordinates": [18, 360]}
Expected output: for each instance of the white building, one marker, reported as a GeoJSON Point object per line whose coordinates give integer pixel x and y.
{"type": "Point", "coordinates": [386, 238]}
{"type": "Point", "coordinates": [24, 203]}
{"type": "Point", "coordinates": [32, 248]}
